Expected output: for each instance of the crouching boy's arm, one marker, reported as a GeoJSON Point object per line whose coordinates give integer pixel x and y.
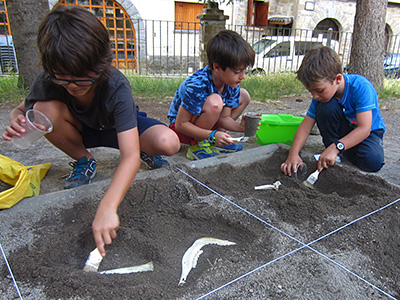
{"type": "Point", "coordinates": [356, 136]}
{"type": "Point", "coordinates": [302, 133]}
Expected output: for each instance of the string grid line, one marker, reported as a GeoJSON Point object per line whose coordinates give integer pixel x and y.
{"type": "Point", "coordinates": [295, 239]}
{"type": "Point", "coordinates": [11, 273]}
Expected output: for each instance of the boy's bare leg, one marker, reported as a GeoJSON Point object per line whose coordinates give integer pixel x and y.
{"type": "Point", "coordinates": [210, 113]}
{"type": "Point", "coordinates": [65, 135]}
{"type": "Point", "coordinates": [159, 140]}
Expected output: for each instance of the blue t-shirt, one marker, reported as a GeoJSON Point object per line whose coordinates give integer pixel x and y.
{"type": "Point", "coordinates": [194, 91]}
{"type": "Point", "coordinates": [359, 95]}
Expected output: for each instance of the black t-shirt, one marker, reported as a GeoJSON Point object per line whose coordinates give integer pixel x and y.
{"type": "Point", "coordinates": [112, 107]}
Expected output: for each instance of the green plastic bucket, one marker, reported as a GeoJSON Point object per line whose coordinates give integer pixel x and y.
{"type": "Point", "coordinates": [277, 128]}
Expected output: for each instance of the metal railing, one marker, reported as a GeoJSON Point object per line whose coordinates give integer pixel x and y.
{"type": "Point", "coordinates": [163, 49]}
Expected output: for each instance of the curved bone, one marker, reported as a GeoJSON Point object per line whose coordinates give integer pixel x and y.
{"type": "Point", "coordinates": [189, 260]}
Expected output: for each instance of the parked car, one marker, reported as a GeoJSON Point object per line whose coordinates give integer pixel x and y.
{"type": "Point", "coordinates": [391, 66]}
{"type": "Point", "coordinates": [284, 53]}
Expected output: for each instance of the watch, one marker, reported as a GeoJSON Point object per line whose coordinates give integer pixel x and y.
{"type": "Point", "coordinates": [340, 146]}
{"type": "Point", "coordinates": [211, 137]}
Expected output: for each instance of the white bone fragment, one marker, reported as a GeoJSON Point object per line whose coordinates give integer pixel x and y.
{"type": "Point", "coordinates": [142, 268]}
{"type": "Point", "coordinates": [93, 261]}
{"type": "Point", "coordinates": [189, 260]}
{"type": "Point", "coordinates": [274, 186]}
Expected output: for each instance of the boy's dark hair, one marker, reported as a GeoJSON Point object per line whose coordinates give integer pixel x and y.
{"type": "Point", "coordinates": [321, 63]}
{"type": "Point", "coordinates": [73, 41]}
{"type": "Point", "coordinates": [229, 49]}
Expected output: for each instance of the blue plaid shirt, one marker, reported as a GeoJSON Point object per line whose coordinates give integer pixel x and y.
{"type": "Point", "coordinates": [194, 91]}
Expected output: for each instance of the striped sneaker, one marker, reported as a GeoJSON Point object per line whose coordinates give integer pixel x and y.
{"type": "Point", "coordinates": [227, 148]}
{"type": "Point", "coordinates": [200, 150]}
{"type": "Point", "coordinates": [83, 172]}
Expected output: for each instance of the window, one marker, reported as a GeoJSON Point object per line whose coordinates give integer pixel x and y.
{"type": "Point", "coordinates": [323, 27]}
{"type": "Point", "coordinates": [301, 48]}
{"type": "Point", "coordinates": [257, 13]}
{"type": "Point", "coordinates": [282, 49]}
{"type": "Point", "coordinates": [119, 25]}
{"type": "Point", "coordinates": [186, 15]}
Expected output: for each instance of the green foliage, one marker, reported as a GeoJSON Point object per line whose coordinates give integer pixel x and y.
{"type": "Point", "coordinates": [391, 89]}
{"type": "Point", "coordinates": [272, 86]}
{"type": "Point", "coordinates": [10, 93]}
{"type": "Point", "coordinates": [154, 87]}
{"type": "Point", "coordinates": [261, 88]}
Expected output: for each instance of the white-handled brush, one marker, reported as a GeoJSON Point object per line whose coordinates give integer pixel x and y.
{"type": "Point", "coordinates": [312, 179]}
{"type": "Point", "coordinates": [93, 261]}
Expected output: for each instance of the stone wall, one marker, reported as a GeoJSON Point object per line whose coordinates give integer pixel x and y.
{"type": "Point", "coordinates": [341, 11]}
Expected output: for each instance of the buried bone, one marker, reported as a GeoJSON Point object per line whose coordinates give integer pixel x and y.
{"type": "Point", "coordinates": [189, 260]}
{"type": "Point", "coordinates": [274, 186]}
{"type": "Point", "coordinates": [142, 268]}
{"type": "Point", "coordinates": [93, 262]}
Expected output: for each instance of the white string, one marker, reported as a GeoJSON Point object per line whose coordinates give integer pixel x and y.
{"type": "Point", "coordinates": [293, 238]}
{"type": "Point", "coordinates": [11, 273]}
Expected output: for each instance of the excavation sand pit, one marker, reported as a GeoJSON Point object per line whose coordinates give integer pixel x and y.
{"type": "Point", "coordinates": [162, 217]}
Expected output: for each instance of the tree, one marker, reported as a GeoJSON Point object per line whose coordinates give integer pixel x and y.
{"type": "Point", "coordinates": [25, 17]}
{"type": "Point", "coordinates": [368, 45]}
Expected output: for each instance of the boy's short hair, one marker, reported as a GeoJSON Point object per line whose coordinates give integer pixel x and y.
{"type": "Point", "coordinates": [73, 41]}
{"type": "Point", "coordinates": [319, 64]}
{"type": "Point", "coordinates": [229, 49]}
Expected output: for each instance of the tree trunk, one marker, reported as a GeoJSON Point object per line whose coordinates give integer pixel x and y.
{"type": "Point", "coordinates": [368, 45]}
{"type": "Point", "coordinates": [25, 17]}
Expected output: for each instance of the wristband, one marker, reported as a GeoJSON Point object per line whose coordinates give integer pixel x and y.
{"type": "Point", "coordinates": [211, 137]}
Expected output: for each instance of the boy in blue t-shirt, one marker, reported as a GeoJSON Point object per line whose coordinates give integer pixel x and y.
{"type": "Point", "coordinates": [347, 113]}
{"type": "Point", "coordinates": [209, 102]}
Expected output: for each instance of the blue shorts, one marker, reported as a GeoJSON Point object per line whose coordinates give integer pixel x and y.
{"type": "Point", "coordinates": [108, 138]}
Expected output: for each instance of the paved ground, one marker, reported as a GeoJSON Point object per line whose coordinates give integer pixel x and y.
{"type": "Point", "coordinates": [43, 151]}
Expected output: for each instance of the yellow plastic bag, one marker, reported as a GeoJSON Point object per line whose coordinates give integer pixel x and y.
{"type": "Point", "coordinates": [25, 180]}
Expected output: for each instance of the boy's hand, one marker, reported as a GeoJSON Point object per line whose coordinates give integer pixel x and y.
{"type": "Point", "coordinates": [290, 165]}
{"type": "Point", "coordinates": [104, 227]}
{"type": "Point", "coordinates": [15, 128]}
{"type": "Point", "coordinates": [222, 138]}
{"type": "Point", "coordinates": [328, 157]}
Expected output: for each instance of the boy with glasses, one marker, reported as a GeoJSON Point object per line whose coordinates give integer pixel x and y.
{"type": "Point", "coordinates": [90, 104]}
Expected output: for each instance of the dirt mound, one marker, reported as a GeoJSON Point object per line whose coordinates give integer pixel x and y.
{"type": "Point", "coordinates": [161, 218]}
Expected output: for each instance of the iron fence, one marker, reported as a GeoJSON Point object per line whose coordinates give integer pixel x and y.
{"type": "Point", "coordinates": [163, 48]}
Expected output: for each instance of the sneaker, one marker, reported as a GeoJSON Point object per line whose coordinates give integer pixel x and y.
{"type": "Point", "coordinates": [154, 161]}
{"type": "Point", "coordinates": [227, 148]}
{"type": "Point", "coordinates": [83, 172]}
{"type": "Point", "coordinates": [200, 150]}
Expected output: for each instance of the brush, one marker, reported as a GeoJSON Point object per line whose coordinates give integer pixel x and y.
{"type": "Point", "coordinates": [312, 179]}
{"type": "Point", "coordinates": [93, 262]}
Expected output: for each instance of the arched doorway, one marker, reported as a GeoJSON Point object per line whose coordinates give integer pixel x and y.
{"type": "Point", "coordinates": [323, 27]}
{"type": "Point", "coordinates": [119, 25]}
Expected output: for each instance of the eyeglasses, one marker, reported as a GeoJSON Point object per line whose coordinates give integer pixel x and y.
{"type": "Point", "coordinates": [65, 82]}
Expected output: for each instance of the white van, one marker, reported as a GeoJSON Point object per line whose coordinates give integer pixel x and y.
{"type": "Point", "coordinates": [284, 53]}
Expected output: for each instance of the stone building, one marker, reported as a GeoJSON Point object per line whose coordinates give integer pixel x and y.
{"type": "Point", "coordinates": [142, 29]}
